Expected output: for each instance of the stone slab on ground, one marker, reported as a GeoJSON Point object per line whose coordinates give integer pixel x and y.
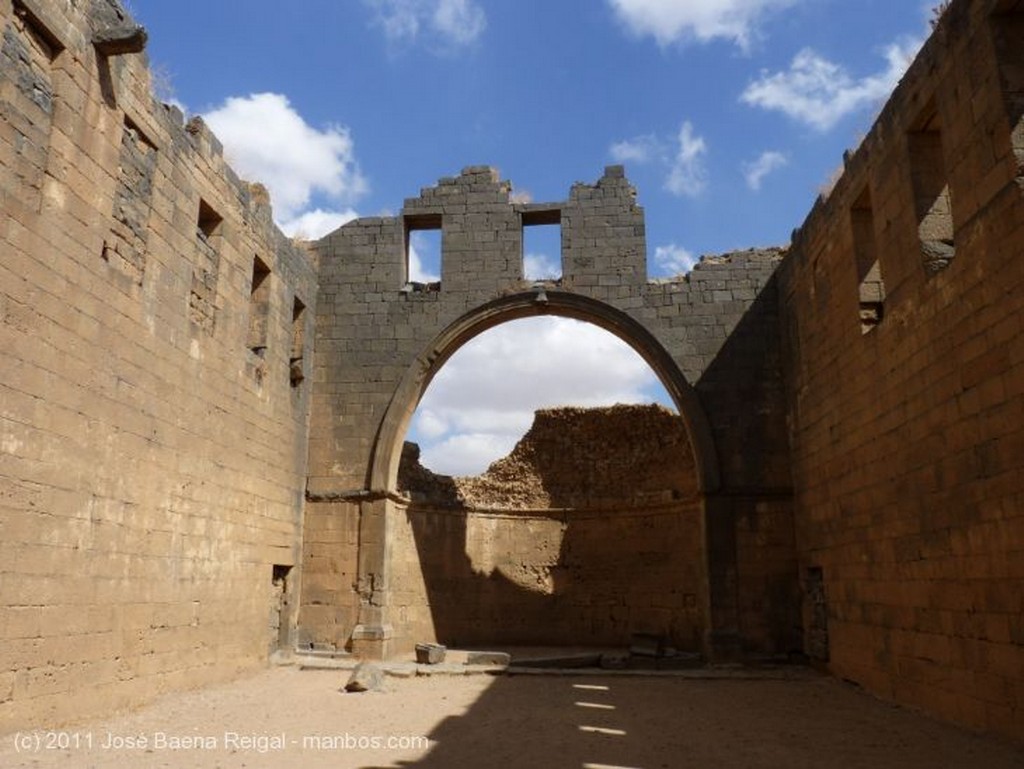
{"type": "Point", "coordinates": [367, 677]}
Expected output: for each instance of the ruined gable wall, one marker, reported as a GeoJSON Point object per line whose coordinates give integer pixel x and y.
{"type": "Point", "coordinates": [588, 532]}
{"type": "Point", "coordinates": [153, 445]}
{"type": "Point", "coordinates": [717, 324]}
{"type": "Point", "coordinates": [908, 431]}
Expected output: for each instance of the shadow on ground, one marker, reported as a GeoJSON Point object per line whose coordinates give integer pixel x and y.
{"type": "Point", "coordinates": [606, 722]}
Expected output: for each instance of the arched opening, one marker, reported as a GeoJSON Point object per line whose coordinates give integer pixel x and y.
{"type": "Point", "coordinates": [395, 424]}
{"type": "Point", "coordinates": [484, 398]}
{"type": "Point", "coordinates": [600, 547]}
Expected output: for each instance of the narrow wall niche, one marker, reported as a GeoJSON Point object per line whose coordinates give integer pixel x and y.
{"type": "Point", "coordinates": [817, 606]}
{"type": "Point", "coordinates": [125, 249]}
{"type": "Point", "coordinates": [870, 286]}
{"type": "Point", "coordinates": [28, 54]}
{"type": "Point", "coordinates": [259, 307]}
{"type": "Point", "coordinates": [203, 294]}
{"type": "Point", "coordinates": [933, 200]}
{"type": "Point", "coordinates": [280, 617]}
{"type": "Point", "coordinates": [296, 369]}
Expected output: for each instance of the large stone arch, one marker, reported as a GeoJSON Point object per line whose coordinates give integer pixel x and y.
{"type": "Point", "coordinates": [711, 336]}
{"type": "Point", "coordinates": [540, 301]}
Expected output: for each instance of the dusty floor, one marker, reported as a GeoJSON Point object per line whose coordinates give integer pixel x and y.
{"type": "Point", "coordinates": [284, 717]}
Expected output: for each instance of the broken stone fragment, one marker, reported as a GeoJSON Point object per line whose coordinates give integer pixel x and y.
{"type": "Point", "coordinates": [646, 645]}
{"type": "Point", "coordinates": [124, 38]}
{"type": "Point", "coordinates": [488, 658]}
{"type": "Point", "coordinates": [367, 677]}
{"type": "Point", "coordinates": [430, 654]}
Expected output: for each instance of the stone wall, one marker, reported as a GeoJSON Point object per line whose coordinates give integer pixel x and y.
{"type": "Point", "coordinates": [152, 410]}
{"type": "Point", "coordinates": [589, 531]}
{"type": "Point", "coordinates": [710, 337]}
{"type": "Point", "coordinates": [903, 300]}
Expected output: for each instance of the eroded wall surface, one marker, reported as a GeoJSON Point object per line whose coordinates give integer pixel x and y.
{"type": "Point", "coordinates": [591, 530]}
{"type": "Point", "coordinates": [903, 302]}
{"type": "Point", "coordinates": [152, 405]}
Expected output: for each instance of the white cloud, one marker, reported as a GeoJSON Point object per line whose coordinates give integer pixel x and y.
{"type": "Point", "coordinates": [673, 259]}
{"type": "Point", "coordinates": [266, 140]}
{"type": "Point", "coordinates": [452, 22]}
{"type": "Point", "coordinates": [483, 399]}
{"type": "Point", "coordinates": [313, 225]}
{"type": "Point", "coordinates": [460, 21]}
{"type": "Point", "coordinates": [466, 453]}
{"type": "Point", "coordinates": [670, 21]}
{"type": "Point", "coordinates": [820, 93]}
{"type": "Point", "coordinates": [540, 267]}
{"type": "Point", "coordinates": [688, 175]}
{"type": "Point", "coordinates": [754, 172]}
{"type": "Point", "coordinates": [640, 150]}
{"type": "Point", "coordinates": [421, 252]}
{"type": "Point", "coordinates": [431, 424]}
{"type": "Point", "coordinates": [682, 158]}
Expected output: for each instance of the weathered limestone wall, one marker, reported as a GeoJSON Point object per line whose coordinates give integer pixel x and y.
{"type": "Point", "coordinates": [903, 300]}
{"type": "Point", "coordinates": [710, 335]}
{"type": "Point", "coordinates": [589, 531]}
{"type": "Point", "coordinates": [152, 411]}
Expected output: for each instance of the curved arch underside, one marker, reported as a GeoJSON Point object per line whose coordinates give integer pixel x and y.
{"type": "Point", "coordinates": [539, 302]}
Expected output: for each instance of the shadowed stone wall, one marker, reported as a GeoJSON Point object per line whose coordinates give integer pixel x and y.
{"type": "Point", "coordinates": [906, 386]}
{"type": "Point", "coordinates": [588, 532]}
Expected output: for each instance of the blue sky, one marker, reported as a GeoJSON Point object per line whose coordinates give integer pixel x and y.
{"type": "Point", "coordinates": [729, 115]}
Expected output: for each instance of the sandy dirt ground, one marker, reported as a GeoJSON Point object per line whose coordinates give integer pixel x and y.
{"type": "Point", "coordinates": [286, 717]}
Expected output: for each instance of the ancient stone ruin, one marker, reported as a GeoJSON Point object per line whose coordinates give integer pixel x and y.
{"type": "Point", "coordinates": [202, 423]}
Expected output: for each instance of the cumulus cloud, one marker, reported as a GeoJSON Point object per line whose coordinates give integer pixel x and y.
{"type": "Point", "coordinates": [266, 140]}
{"type": "Point", "coordinates": [423, 263]}
{"type": "Point", "coordinates": [755, 171]}
{"type": "Point", "coordinates": [670, 21]}
{"type": "Point", "coordinates": [313, 225]}
{"type": "Point", "coordinates": [681, 157]}
{"type": "Point", "coordinates": [541, 267]}
{"type": "Point", "coordinates": [820, 93]}
{"type": "Point", "coordinates": [688, 175]}
{"type": "Point", "coordinates": [673, 260]}
{"type": "Point", "coordinates": [482, 400]}
{"type": "Point", "coordinates": [640, 150]}
{"type": "Point", "coordinates": [451, 22]}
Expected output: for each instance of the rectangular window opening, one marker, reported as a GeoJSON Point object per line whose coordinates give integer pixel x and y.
{"type": "Point", "coordinates": [871, 287]}
{"type": "Point", "coordinates": [259, 306]}
{"type": "Point", "coordinates": [932, 197]}
{"type": "Point", "coordinates": [423, 244]}
{"type": "Point", "coordinates": [542, 245]}
{"type": "Point", "coordinates": [296, 369]}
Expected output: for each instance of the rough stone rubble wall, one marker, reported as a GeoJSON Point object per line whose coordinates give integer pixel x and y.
{"type": "Point", "coordinates": [152, 464]}
{"type": "Point", "coordinates": [572, 457]}
{"type": "Point", "coordinates": [588, 532]}
{"type": "Point", "coordinates": [908, 414]}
